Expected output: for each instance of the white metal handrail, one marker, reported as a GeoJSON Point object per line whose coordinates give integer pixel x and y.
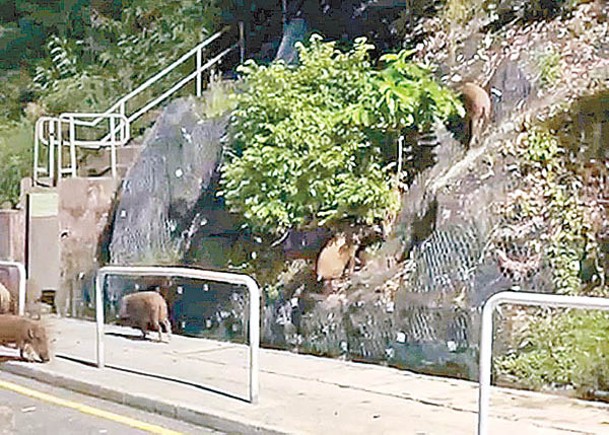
{"type": "Point", "coordinates": [22, 277]}
{"type": "Point", "coordinates": [231, 278]}
{"type": "Point", "coordinates": [48, 130]}
{"type": "Point", "coordinates": [119, 135]}
{"type": "Point", "coordinates": [49, 125]}
{"type": "Point", "coordinates": [120, 105]}
{"type": "Point", "coordinates": [486, 339]}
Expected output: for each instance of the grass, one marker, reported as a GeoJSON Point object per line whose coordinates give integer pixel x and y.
{"type": "Point", "coordinates": [549, 68]}
{"type": "Point", "coordinates": [16, 155]}
{"type": "Point", "coordinates": [562, 349]}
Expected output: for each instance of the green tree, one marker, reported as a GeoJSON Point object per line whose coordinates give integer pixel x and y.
{"type": "Point", "coordinates": [309, 142]}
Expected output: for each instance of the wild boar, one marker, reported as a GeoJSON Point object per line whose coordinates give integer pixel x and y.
{"type": "Point", "coordinates": [146, 311]}
{"type": "Point", "coordinates": [339, 254]}
{"type": "Point", "coordinates": [336, 256]}
{"type": "Point", "coordinates": [24, 333]}
{"type": "Point", "coordinates": [5, 300]}
{"type": "Point", "coordinates": [478, 111]}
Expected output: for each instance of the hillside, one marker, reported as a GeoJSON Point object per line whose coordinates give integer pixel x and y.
{"type": "Point", "coordinates": [438, 228]}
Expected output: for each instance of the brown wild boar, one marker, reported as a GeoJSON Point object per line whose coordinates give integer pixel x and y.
{"type": "Point", "coordinates": [146, 311]}
{"type": "Point", "coordinates": [339, 253]}
{"type": "Point", "coordinates": [478, 111]}
{"type": "Point", "coordinates": [336, 256]}
{"type": "Point", "coordinates": [5, 300]}
{"type": "Point", "coordinates": [25, 332]}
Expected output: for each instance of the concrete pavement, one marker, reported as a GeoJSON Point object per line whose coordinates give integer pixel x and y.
{"type": "Point", "coordinates": [38, 408]}
{"type": "Point", "coordinates": [205, 382]}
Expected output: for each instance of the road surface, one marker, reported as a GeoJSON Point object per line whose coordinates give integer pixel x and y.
{"type": "Point", "coordinates": [29, 407]}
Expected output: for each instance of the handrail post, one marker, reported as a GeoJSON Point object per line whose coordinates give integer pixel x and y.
{"type": "Point", "coordinates": [36, 150]}
{"type": "Point", "coordinates": [113, 146]}
{"type": "Point", "coordinates": [52, 151]}
{"type": "Point", "coordinates": [72, 146]}
{"type": "Point", "coordinates": [486, 350]}
{"type": "Point", "coordinates": [199, 62]}
{"type": "Point", "coordinates": [254, 338]}
{"type": "Point", "coordinates": [99, 318]}
{"type": "Point", "coordinates": [121, 110]}
{"type": "Point", "coordinates": [59, 150]}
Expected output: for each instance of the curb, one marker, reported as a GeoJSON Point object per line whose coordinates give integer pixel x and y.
{"type": "Point", "coordinates": [178, 411]}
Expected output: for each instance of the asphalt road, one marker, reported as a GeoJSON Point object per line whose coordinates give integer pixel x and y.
{"type": "Point", "coordinates": [51, 411]}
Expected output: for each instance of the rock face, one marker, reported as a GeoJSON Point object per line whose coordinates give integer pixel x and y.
{"type": "Point", "coordinates": [293, 32]}
{"type": "Point", "coordinates": [156, 210]}
{"type": "Point", "coordinates": [166, 199]}
{"type": "Point", "coordinates": [415, 302]}
{"type": "Point", "coordinates": [510, 88]}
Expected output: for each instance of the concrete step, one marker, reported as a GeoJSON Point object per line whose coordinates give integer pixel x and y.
{"type": "Point", "coordinates": [97, 162]}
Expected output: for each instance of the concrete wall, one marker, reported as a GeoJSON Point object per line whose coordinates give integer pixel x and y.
{"type": "Point", "coordinates": [42, 243]}
{"type": "Point", "coordinates": [12, 235]}
{"type": "Point", "coordinates": [84, 207]}
{"type": "Point", "coordinates": [12, 248]}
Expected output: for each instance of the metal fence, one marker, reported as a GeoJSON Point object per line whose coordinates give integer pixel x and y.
{"type": "Point", "coordinates": [231, 278]}
{"type": "Point", "coordinates": [486, 340]}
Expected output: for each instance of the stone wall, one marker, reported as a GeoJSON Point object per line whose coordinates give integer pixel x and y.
{"type": "Point", "coordinates": [12, 235]}
{"type": "Point", "coordinates": [84, 207]}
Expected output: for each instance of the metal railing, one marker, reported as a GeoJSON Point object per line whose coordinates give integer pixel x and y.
{"type": "Point", "coordinates": [49, 131]}
{"type": "Point", "coordinates": [22, 281]}
{"type": "Point", "coordinates": [231, 278]}
{"type": "Point", "coordinates": [486, 339]}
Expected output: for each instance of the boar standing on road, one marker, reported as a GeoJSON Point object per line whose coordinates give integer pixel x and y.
{"type": "Point", "coordinates": [146, 311]}
{"type": "Point", "coordinates": [25, 332]}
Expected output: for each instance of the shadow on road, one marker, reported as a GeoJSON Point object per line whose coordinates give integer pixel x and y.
{"type": "Point", "coordinates": [156, 376]}
{"type": "Point", "coordinates": [6, 358]}
{"type": "Point", "coordinates": [129, 336]}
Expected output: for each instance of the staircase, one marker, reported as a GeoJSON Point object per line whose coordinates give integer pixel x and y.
{"type": "Point", "coordinates": [105, 137]}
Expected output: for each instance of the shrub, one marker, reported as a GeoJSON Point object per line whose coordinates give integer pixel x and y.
{"type": "Point", "coordinates": [549, 67]}
{"type": "Point", "coordinates": [16, 141]}
{"type": "Point", "coordinates": [310, 143]}
{"type": "Point", "coordinates": [568, 348]}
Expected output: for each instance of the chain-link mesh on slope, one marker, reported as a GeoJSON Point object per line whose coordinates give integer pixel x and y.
{"type": "Point", "coordinates": [155, 211]}
{"type": "Point", "coordinates": [456, 269]}
{"type": "Point", "coordinates": [434, 294]}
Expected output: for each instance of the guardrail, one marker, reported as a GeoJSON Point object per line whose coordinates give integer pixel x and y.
{"type": "Point", "coordinates": [231, 278]}
{"type": "Point", "coordinates": [486, 339]}
{"type": "Point", "coordinates": [22, 277]}
{"type": "Point", "coordinates": [48, 130]}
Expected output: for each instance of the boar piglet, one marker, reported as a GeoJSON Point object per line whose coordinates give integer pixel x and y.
{"type": "Point", "coordinates": [24, 333]}
{"type": "Point", "coordinates": [146, 311]}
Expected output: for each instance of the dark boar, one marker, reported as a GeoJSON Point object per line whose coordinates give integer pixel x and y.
{"type": "Point", "coordinates": [146, 311]}
{"type": "Point", "coordinates": [24, 332]}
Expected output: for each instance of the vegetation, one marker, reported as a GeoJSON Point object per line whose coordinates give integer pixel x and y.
{"type": "Point", "coordinates": [549, 193]}
{"type": "Point", "coordinates": [560, 348]}
{"type": "Point", "coordinates": [549, 67]}
{"type": "Point", "coordinates": [564, 349]}
{"type": "Point", "coordinates": [311, 142]}
{"type": "Point", "coordinates": [72, 57]}
{"type": "Point", "coordinates": [15, 154]}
